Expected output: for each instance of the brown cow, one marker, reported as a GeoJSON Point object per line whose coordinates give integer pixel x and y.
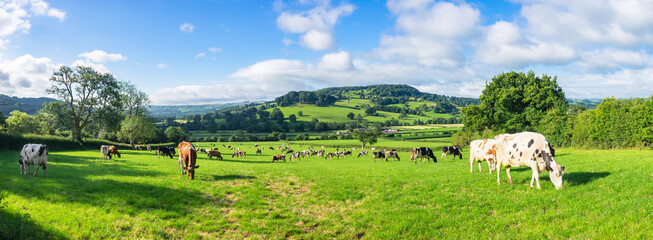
{"type": "Point", "coordinates": [279, 157]}
{"type": "Point", "coordinates": [113, 150]}
{"type": "Point", "coordinates": [187, 159]}
{"type": "Point", "coordinates": [214, 153]}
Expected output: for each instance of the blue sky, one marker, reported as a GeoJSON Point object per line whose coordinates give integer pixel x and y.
{"type": "Point", "coordinates": [213, 51]}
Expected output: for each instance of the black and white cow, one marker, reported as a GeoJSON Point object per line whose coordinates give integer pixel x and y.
{"type": "Point", "coordinates": [379, 154]}
{"type": "Point", "coordinates": [455, 150]}
{"type": "Point", "coordinates": [422, 152]}
{"type": "Point", "coordinates": [165, 151]}
{"type": "Point", "coordinates": [527, 149]}
{"type": "Point", "coordinates": [33, 154]}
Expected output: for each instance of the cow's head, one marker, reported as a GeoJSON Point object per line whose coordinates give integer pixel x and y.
{"type": "Point", "coordinates": [191, 171]}
{"type": "Point", "coordinates": [556, 176]}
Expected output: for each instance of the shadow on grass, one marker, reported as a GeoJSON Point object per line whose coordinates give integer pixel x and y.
{"type": "Point", "coordinates": [21, 226]}
{"type": "Point", "coordinates": [579, 178]}
{"type": "Point", "coordinates": [81, 180]}
{"type": "Point", "coordinates": [231, 177]}
{"type": "Point", "coordinates": [243, 161]}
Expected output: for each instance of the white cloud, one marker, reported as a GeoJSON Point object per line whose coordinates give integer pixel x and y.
{"type": "Point", "coordinates": [340, 61]}
{"type": "Point", "coordinates": [432, 34]}
{"type": "Point", "coordinates": [614, 59]}
{"type": "Point", "coordinates": [161, 66]}
{"type": "Point", "coordinates": [199, 55]}
{"type": "Point", "coordinates": [505, 45]}
{"type": "Point", "coordinates": [215, 49]}
{"type": "Point", "coordinates": [318, 40]}
{"type": "Point", "coordinates": [316, 24]}
{"type": "Point", "coordinates": [187, 27]}
{"type": "Point", "coordinates": [26, 76]}
{"type": "Point", "coordinates": [14, 15]}
{"type": "Point", "coordinates": [94, 65]}
{"type": "Point", "coordinates": [100, 56]}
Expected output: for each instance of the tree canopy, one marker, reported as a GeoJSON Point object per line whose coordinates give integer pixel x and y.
{"type": "Point", "coordinates": [514, 102]}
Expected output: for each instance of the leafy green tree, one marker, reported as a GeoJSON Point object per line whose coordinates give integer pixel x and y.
{"type": "Point", "coordinates": [370, 136]}
{"type": "Point", "coordinates": [281, 136]}
{"type": "Point", "coordinates": [300, 113]}
{"type": "Point", "coordinates": [176, 134]}
{"type": "Point", "coordinates": [137, 129]}
{"type": "Point", "coordinates": [351, 115]}
{"type": "Point", "coordinates": [514, 102]}
{"type": "Point", "coordinates": [21, 123]}
{"type": "Point", "coordinates": [277, 115]}
{"type": "Point", "coordinates": [292, 118]}
{"type": "Point", "coordinates": [371, 111]}
{"type": "Point", "coordinates": [88, 96]}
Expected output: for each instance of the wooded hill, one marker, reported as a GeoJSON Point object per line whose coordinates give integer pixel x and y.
{"type": "Point", "coordinates": [332, 109]}
{"type": "Point", "coordinates": [27, 105]}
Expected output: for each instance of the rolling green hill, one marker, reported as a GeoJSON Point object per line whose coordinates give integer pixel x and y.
{"type": "Point", "coordinates": [27, 105]}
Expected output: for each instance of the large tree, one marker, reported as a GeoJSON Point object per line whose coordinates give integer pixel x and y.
{"type": "Point", "coordinates": [514, 102]}
{"type": "Point", "coordinates": [367, 136]}
{"type": "Point", "coordinates": [176, 134]}
{"type": "Point", "coordinates": [133, 100]}
{"type": "Point", "coordinates": [137, 129]}
{"type": "Point", "coordinates": [89, 96]}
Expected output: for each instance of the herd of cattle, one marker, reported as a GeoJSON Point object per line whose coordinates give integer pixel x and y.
{"type": "Point", "coordinates": [526, 149]}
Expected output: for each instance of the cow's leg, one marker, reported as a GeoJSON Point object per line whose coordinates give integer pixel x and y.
{"type": "Point", "coordinates": [44, 172]}
{"type": "Point", "coordinates": [498, 169]}
{"type": "Point", "coordinates": [508, 173]}
{"type": "Point", "coordinates": [479, 167]}
{"type": "Point", "coordinates": [489, 166]}
{"type": "Point", "coordinates": [536, 177]}
{"type": "Point", "coordinates": [471, 165]}
{"type": "Point", "coordinates": [36, 169]}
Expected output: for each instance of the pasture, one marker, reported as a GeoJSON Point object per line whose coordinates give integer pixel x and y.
{"type": "Point", "coordinates": [607, 194]}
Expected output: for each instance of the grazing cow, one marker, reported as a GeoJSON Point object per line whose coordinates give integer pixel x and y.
{"type": "Point", "coordinates": [165, 151]}
{"type": "Point", "coordinates": [104, 152]}
{"type": "Point", "coordinates": [296, 155]}
{"type": "Point", "coordinates": [320, 153]}
{"type": "Point", "coordinates": [344, 154]}
{"type": "Point", "coordinates": [149, 148]}
{"type": "Point", "coordinates": [392, 154]}
{"type": "Point", "coordinates": [362, 153]}
{"type": "Point", "coordinates": [455, 150]}
{"type": "Point", "coordinates": [482, 150]}
{"type": "Point", "coordinates": [33, 154]}
{"type": "Point", "coordinates": [424, 153]}
{"type": "Point", "coordinates": [187, 159]}
{"type": "Point", "coordinates": [527, 149]}
{"type": "Point", "coordinates": [114, 151]}
{"type": "Point", "coordinates": [379, 154]}
{"type": "Point", "coordinates": [238, 154]}
{"type": "Point", "coordinates": [279, 158]}
{"type": "Point", "coordinates": [330, 155]}
{"type": "Point", "coordinates": [214, 153]}
{"type": "Point", "coordinates": [259, 152]}
{"type": "Point", "coordinates": [271, 148]}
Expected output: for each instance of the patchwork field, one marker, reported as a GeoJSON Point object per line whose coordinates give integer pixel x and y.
{"type": "Point", "coordinates": [607, 195]}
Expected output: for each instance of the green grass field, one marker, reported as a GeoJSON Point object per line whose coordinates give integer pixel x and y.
{"type": "Point", "coordinates": [607, 195]}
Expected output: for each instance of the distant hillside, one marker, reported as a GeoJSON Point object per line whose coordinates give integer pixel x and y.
{"type": "Point", "coordinates": [382, 94]}
{"type": "Point", "coordinates": [185, 110]}
{"type": "Point", "coordinates": [28, 105]}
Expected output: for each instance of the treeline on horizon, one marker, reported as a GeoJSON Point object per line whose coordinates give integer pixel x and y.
{"type": "Point", "coordinates": [515, 102]}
